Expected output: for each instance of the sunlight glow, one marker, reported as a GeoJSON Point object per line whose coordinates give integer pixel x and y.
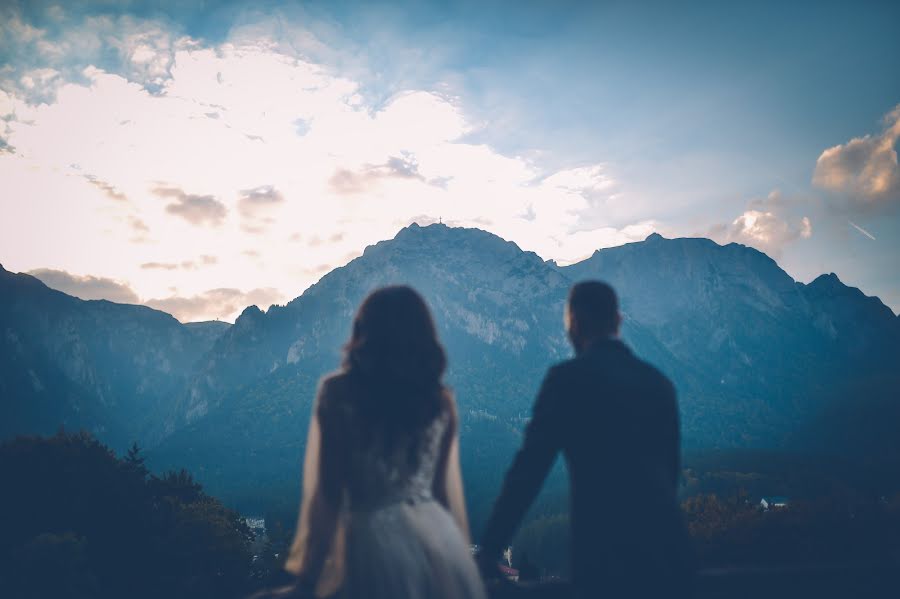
{"type": "Point", "coordinates": [134, 178]}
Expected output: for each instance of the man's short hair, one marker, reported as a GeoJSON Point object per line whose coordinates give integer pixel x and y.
{"type": "Point", "coordinates": [595, 307]}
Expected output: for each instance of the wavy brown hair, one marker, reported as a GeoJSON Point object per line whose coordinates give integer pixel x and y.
{"type": "Point", "coordinates": [398, 363]}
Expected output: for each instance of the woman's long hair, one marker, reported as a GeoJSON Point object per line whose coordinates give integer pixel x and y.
{"type": "Point", "coordinates": [397, 363]}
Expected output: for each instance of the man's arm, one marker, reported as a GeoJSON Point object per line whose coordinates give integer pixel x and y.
{"type": "Point", "coordinates": [543, 439]}
{"type": "Point", "coordinates": [674, 427]}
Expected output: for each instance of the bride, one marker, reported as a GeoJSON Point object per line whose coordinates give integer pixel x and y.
{"type": "Point", "coordinates": [383, 514]}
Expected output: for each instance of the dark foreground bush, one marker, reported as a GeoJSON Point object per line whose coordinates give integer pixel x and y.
{"type": "Point", "coordinates": [77, 522]}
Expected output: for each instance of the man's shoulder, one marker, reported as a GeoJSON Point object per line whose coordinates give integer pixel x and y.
{"type": "Point", "coordinates": [657, 379]}
{"type": "Point", "coordinates": [627, 365]}
{"type": "Point", "coordinates": [585, 366]}
{"type": "Point", "coordinates": [565, 369]}
{"type": "Point", "coordinates": [563, 365]}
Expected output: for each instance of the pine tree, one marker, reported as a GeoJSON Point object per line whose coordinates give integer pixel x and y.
{"type": "Point", "coordinates": [135, 461]}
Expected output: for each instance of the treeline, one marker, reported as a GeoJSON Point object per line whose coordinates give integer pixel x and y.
{"type": "Point", "coordinates": [840, 511]}
{"type": "Point", "coordinates": [735, 532]}
{"type": "Point", "coordinates": [78, 522]}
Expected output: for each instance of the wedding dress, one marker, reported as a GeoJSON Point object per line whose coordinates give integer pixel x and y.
{"type": "Point", "coordinates": [382, 524]}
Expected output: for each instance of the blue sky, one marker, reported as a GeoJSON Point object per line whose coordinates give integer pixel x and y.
{"type": "Point", "coordinates": [563, 126]}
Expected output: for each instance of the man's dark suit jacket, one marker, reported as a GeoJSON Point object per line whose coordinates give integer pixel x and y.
{"type": "Point", "coordinates": [615, 419]}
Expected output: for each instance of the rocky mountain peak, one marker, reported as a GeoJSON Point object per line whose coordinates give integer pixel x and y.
{"type": "Point", "coordinates": [828, 292]}
{"type": "Point", "coordinates": [439, 236]}
{"type": "Point", "coordinates": [828, 281]}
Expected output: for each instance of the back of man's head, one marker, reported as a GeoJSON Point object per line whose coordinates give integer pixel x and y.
{"type": "Point", "coordinates": [594, 308]}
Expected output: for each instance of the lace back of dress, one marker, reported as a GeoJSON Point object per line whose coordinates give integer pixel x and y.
{"type": "Point", "coordinates": [404, 474]}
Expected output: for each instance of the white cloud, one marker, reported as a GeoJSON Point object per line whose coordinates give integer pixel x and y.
{"type": "Point", "coordinates": [86, 287]}
{"type": "Point", "coordinates": [223, 303]}
{"type": "Point", "coordinates": [195, 209]}
{"type": "Point", "coordinates": [38, 78]}
{"type": "Point", "coordinates": [256, 207]}
{"type": "Point", "coordinates": [349, 182]}
{"type": "Point", "coordinates": [39, 61]}
{"type": "Point", "coordinates": [583, 244]}
{"type": "Point", "coordinates": [186, 135]}
{"type": "Point", "coordinates": [204, 260]}
{"type": "Point", "coordinates": [865, 167]}
{"type": "Point", "coordinates": [765, 225]}
{"type": "Point", "coordinates": [110, 190]}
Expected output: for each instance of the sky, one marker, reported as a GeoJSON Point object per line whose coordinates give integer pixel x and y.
{"type": "Point", "coordinates": [199, 157]}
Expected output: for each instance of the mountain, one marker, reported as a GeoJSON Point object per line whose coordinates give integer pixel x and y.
{"type": "Point", "coordinates": [769, 351]}
{"type": "Point", "coordinates": [110, 368]}
{"type": "Point", "coordinates": [755, 355]}
{"type": "Point", "coordinates": [759, 360]}
{"type": "Point", "coordinates": [499, 313]}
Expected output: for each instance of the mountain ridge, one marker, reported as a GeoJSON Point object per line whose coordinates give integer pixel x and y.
{"type": "Point", "coordinates": [434, 238]}
{"type": "Point", "coordinates": [99, 364]}
{"type": "Point", "coordinates": [744, 342]}
{"type": "Point", "coordinates": [756, 356]}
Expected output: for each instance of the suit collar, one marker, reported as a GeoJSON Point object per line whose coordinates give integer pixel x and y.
{"type": "Point", "coordinates": [607, 344]}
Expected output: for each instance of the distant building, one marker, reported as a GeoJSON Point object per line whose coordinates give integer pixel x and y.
{"type": "Point", "coordinates": [257, 525]}
{"type": "Point", "coordinates": [773, 503]}
{"type": "Point", "coordinates": [506, 568]}
{"type": "Point", "coordinates": [511, 573]}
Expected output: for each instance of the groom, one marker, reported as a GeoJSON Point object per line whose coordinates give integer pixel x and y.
{"type": "Point", "coordinates": [615, 419]}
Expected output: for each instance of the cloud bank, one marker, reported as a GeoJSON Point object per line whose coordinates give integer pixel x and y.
{"type": "Point", "coordinates": [224, 303]}
{"type": "Point", "coordinates": [256, 207]}
{"type": "Point", "coordinates": [227, 301]}
{"type": "Point", "coordinates": [195, 209]}
{"type": "Point", "coordinates": [86, 287]}
{"type": "Point", "coordinates": [766, 224]}
{"type": "Point", "coordinates": [174, 148]}
{"type": "Point", "coordinates": [865, 168]}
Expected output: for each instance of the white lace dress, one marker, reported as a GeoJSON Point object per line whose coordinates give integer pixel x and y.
{"type": "Point", "coordinates": [382, 526]}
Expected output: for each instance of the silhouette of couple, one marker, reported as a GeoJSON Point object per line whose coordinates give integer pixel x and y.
{"type": "Point", "coordinates": [383, 514]}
